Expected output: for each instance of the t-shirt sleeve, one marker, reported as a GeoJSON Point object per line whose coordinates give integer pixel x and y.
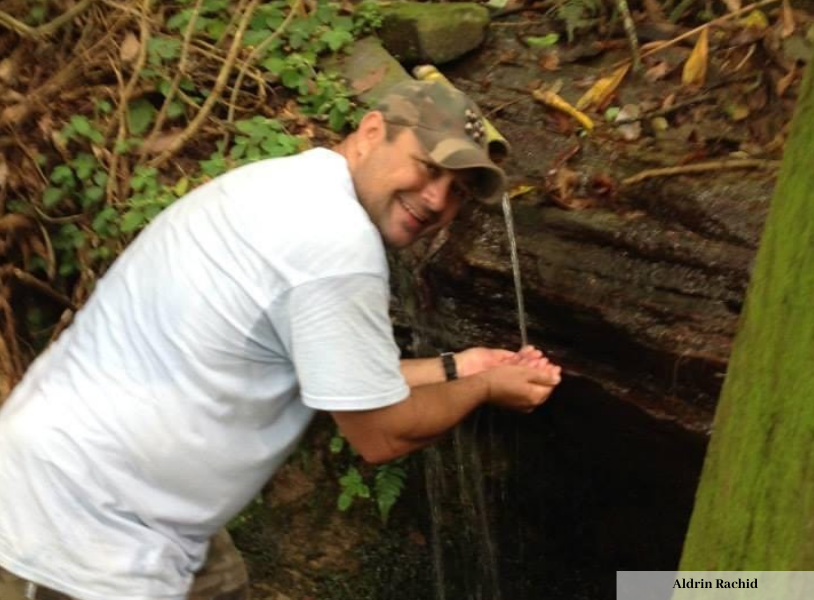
{"type": "Point", "coordinates": [340, 339]}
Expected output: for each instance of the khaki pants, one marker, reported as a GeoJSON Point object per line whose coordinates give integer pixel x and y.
{"type": "Point", "coordinates": [223, 577]}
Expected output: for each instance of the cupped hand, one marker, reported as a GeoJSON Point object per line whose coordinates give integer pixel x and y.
{"type": "Point", "coordinates": [477, 360]}
{"type": "Point", "coordinates": [522, 387]}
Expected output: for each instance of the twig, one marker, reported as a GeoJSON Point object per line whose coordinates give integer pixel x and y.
{"type": "Point", "coordinates": [39, 285]}
{"type": "Point", "coordinates": [632, 38]}
{"type": "Point", "coordinates": [45, 29]}
{"type": "Point", "coordinates": [56, 83]}
{"type": "Point", "coordinates": [704, 167]}
{"type": "Point", "coordinates": [176, 81]}
{"type": "Point", "coordinates": [220, 83]}
{"type": "Point", "coordinates": [295, 8]}
{"type": "Point", "coordinates": [124, 98]}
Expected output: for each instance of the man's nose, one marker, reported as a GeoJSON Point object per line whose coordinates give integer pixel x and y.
{"type": "Point", "coordinates": [436, 192]}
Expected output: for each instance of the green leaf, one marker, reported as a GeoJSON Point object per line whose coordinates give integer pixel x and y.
{"type": "Point", "coordinates": [103, 219]}
{"type": "Point", "coordinates": [336, 38]}
{"type": "Point", "coordinates": [92, 195]}
{"type": "Point", "coordinates": [337, 443]}
{"type": "Point", "coordinates": [52, 196]}
{"type": "Point", "coordinates": [140, 115]}
{"type": "Point", "coordinates": [545, 41]}
{"type": "Point", "coordinates": [81, 125]}
{"type": "Point", "coordinates": [274, 64]}
{"type": "Point", "coordinates": [62, 175]}
{"type": "Point", "coordinates": [132, 220]}
{"type": "Point", "coordinates": [84, 165]}
{"type": "Point", "coordinates": [175, 109]}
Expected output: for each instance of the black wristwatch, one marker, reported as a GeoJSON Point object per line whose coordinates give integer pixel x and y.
{"type": "Point", "coordinates": [450, 369]}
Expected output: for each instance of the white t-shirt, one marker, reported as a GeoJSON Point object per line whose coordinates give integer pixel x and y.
{"type": "Point", "coordinates": [190, 375]}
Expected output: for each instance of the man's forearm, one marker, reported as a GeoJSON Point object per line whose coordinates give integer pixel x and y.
{"type": "Point", "coordinates": [429, 412]}
{"type": "Point", "coordinates": [422, 371]}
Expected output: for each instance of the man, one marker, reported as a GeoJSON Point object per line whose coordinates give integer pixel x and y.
{"type": "Point", "coordinates": [193, 370]}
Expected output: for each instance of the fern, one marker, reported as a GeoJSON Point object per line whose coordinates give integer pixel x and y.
{"type": "Point", "coordinates": [390, 480]}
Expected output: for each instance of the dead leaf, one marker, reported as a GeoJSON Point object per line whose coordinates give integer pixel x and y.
{"type": "Point", "coordinates": [3, 172]}
{"type": "Point", "coordinates": [657, 71]}
{"type": "Point", "coordinates": [550, 61]}
{"type": "Point", "coordinates": [737, 111]}
{"type": "Point", "coordinates": [520, 190]}
{"type": "Point", "coordinates": [602, 90]}
{"type": "Point", "coordinates": [560, 185]}
{"type": "Point", "coordinates": [553, 100]}
{"type": "Point", "coordinates": [7, 70]}
{"type": "Point", "coordinates": [129, 48]}
{"type": "Point", "coordinates": [161, 142]}
{"type": "Point", "coordinates": [14, 222]}
{"type": "Point", "coordinates": [369, 81]}
{"type": "Point", "coordinates": [695, 69]}
{"type": "Point", "coordinates": [733, 5]}
{"type": "Point", "coordinates": [755, 20]}
{"type": "Point", "coordinates": [14, 114]}
{"type": "Point", "coordinates": [654, 12]}
{"type": "Point", "coordinates": [787, 18]}
{"type": "Point", "coordinates": [668, 101]}
{"type": "Point", "coordinates": [784, 82]}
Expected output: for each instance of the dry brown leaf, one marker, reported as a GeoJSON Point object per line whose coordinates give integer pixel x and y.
{"type": "Point", "coordinates": [161, 142]}
{"type": "Point", "coordinates": [8, 70]}
{"type": "Point", "coordinates": [3, 171]}
{"type": "Point", "coordinates": [369, 81]}
{"type": "Point", "coordinates": [14, 114]}
{"type": "Point", "coordinates": [129, 48]}
{"type": "Point", "coordinates": [602, 90]}
{"type": "Point", "coordinates": [733, 5]}
{"type": "Point", "coordinates": [657, 71]}
{"type": "Point", "coordinates": [695, 69]}
{"type": "Point", "coordinates": [784, 82]}
{"type": "Point", "coordinates": [550, 61]}
{"type": "Point", "coordinates": [668, 101]}
{"type": "Point", "coordinates": [787, 18]}
{"type": "Point", "coordinates": [14, 222]}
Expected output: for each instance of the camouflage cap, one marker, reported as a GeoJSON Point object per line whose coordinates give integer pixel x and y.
{"type": "Point", "coordinates": [450, 127]}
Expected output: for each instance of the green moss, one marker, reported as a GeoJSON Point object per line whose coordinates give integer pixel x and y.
{"type": "Point", "coordinates": [755, 505]}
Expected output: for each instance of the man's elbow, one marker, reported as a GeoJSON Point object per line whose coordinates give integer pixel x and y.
{"type": "Point", "coordinates": [377, 454]}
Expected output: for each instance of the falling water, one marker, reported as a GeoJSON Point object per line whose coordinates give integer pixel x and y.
{"type": "Point", "coordinates": [476, 552]}
{"type": "Point", "coordinates": [518, 284]}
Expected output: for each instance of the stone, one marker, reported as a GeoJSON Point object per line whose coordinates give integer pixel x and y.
{"type": "Point", "coordinates": [416, 32]}
{"type": "Point", "coordinates": [368, 68]}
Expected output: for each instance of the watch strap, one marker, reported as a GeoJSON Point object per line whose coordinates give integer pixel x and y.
{"type": "Point", "coordinates": [450, 368]}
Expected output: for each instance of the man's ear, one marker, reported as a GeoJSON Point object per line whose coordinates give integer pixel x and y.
{"type": "Point", "coordinates": [372, 131]}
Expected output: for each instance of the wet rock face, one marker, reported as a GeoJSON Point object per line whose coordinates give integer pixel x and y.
{"type": "Point", "coordinates": [637, 295]}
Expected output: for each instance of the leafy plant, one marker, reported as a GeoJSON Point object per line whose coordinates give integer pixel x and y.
{"type": "Point", "coordinates": [384, 484]}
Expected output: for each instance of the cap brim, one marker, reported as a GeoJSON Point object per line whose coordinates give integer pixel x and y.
{"type": "Point", "coordinates": [490, 180]}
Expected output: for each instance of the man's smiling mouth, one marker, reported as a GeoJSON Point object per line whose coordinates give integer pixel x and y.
{"type": "Point", "coordinates": [409, 209]}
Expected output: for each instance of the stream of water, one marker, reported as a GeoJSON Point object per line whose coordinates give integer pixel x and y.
{"type": "Point", "coordinates": [518, 283]}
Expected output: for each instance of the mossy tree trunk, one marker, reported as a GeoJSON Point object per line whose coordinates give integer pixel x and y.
{"type": "Point", "coordinates": [755, 504]}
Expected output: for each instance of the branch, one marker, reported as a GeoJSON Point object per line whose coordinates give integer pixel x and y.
{"type": "Point", "coordinates": [704, 167]}
{"type": "Point", "coordinates": [127, 91]}
{"type": "Point", "coordinates": [45, 29]}
{"type": "Point", "coordinates": [220, 83]}
{"type": "Point", "coordinates": [295, 8]}
{"type": "Point", "coordinates": [176, 81]}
